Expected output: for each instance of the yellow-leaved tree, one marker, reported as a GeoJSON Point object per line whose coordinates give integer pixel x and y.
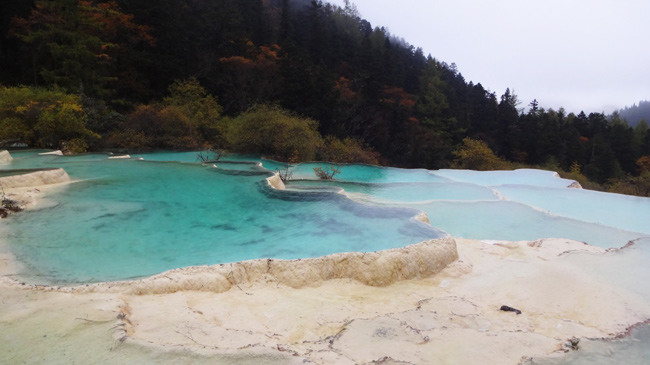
{"type": "Point", "coordinates": [48, 118]}
{"type": "Point", "coordinates": [477, 155]}
{"type": "Point", "coordinates": [274, 132]}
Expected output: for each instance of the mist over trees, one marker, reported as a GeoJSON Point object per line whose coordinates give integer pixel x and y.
{"type": "Point", "coordinates": [193, 73]}
{"type": "Point", "coordinates": [635, 113]}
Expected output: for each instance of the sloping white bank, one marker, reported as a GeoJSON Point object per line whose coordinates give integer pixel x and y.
{"type": "Point", "coordinates": [380, 268]}
{"type": "Point", "coordinates": [5, 157]}
{"type": "Point", "coordinates": [35, 178]}
{"type": "Point", "coordinates": [530, 177]}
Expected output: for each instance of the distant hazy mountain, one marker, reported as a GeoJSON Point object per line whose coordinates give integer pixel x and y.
{"type": "Point", "coordinates": [636, 113]}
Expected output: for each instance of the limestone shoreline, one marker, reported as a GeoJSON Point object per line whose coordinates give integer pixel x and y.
{"type": "Point", "coordinates": [433, 302]}
{"type": "Point", "coordinates": [5, 156]}
{"type": "Point", "coordinates": [451, 317]}
{"type": "Point", "coordinates": [35, 178]}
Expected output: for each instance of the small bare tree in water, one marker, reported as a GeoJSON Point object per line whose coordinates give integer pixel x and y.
{"type": "Point", "coordinates": [209, 156]}
{"type": "Point", "coordinates": [7, 205]}
{"type": "Point", "coordinates": [285, 173]}
{"type": "Point", "coordinates": [328, 172]}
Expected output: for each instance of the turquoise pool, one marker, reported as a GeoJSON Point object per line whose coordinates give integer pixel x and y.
{"type": "Point", "coordinates": [135, 217]}
{"type": "Point", "coordinates": [131, 218]}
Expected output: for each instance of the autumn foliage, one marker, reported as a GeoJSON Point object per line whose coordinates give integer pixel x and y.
{"type": "Point", "coordinates": [477, 155]}
{"type": "Point", "coordinates": [251, 80]}
{"type": "Point", "coordinates": [347, 150]}
{"type": "Point", "coordinates": [273, 132]}
{"type": "Point", "coordinates": [45, 118]}
{"type": "Point", "coordinates": [186, 119]}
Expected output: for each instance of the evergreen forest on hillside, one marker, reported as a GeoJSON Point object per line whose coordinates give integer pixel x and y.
{"type": "Point", "coordinates": [293, 80]}
{"type": "Point", "coordinates": [634, 114]}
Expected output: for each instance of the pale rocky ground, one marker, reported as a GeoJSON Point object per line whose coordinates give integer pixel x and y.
{"type": "Point", "coordinates": [286, 316]}
{"type": "Point", "coordinates": [452, 317]}
{"type": "Point", "coordinates": [5, 156]}
{"type": "Point", "coordinates": [34, 179]}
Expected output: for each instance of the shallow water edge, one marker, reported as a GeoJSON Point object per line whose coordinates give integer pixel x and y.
{"type": "Point", "coordinates": [381, 268]}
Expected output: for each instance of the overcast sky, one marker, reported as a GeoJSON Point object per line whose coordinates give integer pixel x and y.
{"type": "Point", "coordinates": [591, 55]}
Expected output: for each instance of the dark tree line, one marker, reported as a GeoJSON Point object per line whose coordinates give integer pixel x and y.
{"type": "Point", "coordinates": [317, 60]}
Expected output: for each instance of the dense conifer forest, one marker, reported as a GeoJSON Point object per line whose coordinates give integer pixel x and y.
{"type": "Point", "coordinates": [265, 76]}
{"type": "Point", "coordinates": [636, 113]}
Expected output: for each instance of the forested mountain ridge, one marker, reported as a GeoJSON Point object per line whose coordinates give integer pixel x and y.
{"type": "Point", "coordinates": [634, 114]}
{"type": "Point", "coordinates": [139, 69]}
